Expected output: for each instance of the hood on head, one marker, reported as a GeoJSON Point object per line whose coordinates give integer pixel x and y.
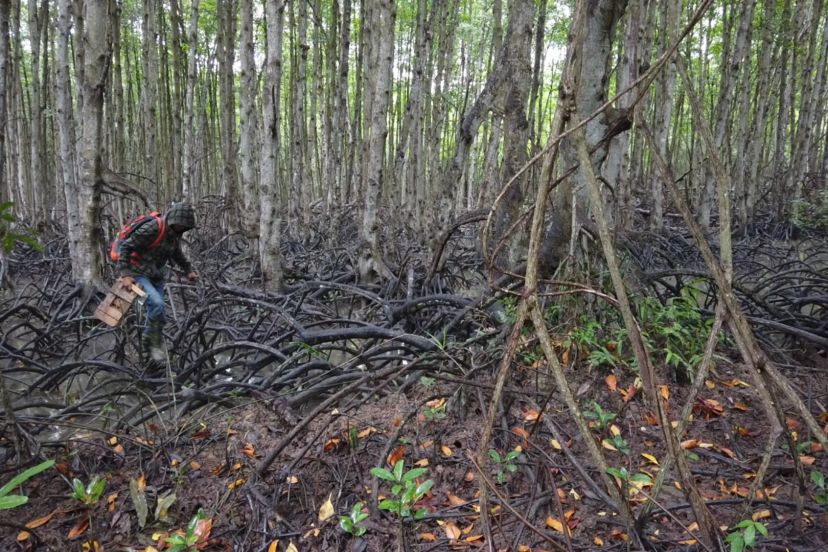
{"type": "Point", "coordinates": [181, 214]}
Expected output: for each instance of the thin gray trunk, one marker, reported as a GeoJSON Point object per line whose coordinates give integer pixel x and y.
{"type": "Point", "coordinates": [300, 196]}
{"type": "Point", "coordinates": [270, 205]}
{"type": "Point", "coordinates": [37, 173]}
{"type": "Point", "coordinates": [247, 137]}
{"type": "Point", "coordinates": [66, 131]}
{"type": "Point", "coordinates": [97, 57]}
{"type": "Point", "coordinates": [384, 48]}
{"type": "Point", "coordinates": [188, 147]}
{"type": "Point", "coordinates": [149, 96]}
{"type": "Point", "coordinates": [5, 12]}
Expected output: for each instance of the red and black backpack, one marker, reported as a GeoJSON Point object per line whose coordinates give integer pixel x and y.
{"type": "Point", "coordinates": [129, 228]}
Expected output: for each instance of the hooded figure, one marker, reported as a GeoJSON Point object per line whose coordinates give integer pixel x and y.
{"type": "Point", "coordinates": [146, 265]}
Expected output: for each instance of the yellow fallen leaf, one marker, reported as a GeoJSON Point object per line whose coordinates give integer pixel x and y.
{"type": "Point", "coordinates": [467, 530]}
{"type": "Point", "coordinates": [446, 451]}
{"type": "Point", "coordinates": [113, 441]}
{"type": "Point", "coordinates": [761, 514]}
{"type": "Point", "coordinates": [237, 483]}
{"type": "Point", "coordinates": [598, 541]}
{"type": "Point", "coordinates": [421, 463]}
{"type": "Point", "coordinates": [615, 430]}
{"type": "Point", "coordinates": [154, 549]}
{"type": "Point", "coordinates": [366, 432]}
{"type": "Point", "coordinates": [554, 524]}
{"type": "Point", "coordinates": [555, 444]}
{"type": "Point", "coordinates": [327, 510]}
{"type": "Point", "coordinates": [274, 546]}
{"type": "Point", "coordinates": [652, 459]}
{"type": "Point", "coordinates": [428, 537]}
{"type": "Point", "coordinates": [293, 480]}
{"type": "Point", "coordinates": [524, 548]}
{"type": "Point", "coordinates": [474, 538]}
{"type": "Point", "coordinates": [292, 547]}
{"type": "Point", "coordinates": [607, 445]}
{"type": "Point", "coordinates": [664, 391]}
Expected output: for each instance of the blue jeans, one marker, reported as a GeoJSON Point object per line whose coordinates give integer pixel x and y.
{"type": "Point", "coordinates": [154, 302]}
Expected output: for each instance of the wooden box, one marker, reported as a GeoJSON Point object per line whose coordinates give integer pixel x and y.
{"type": "Point", "coordinates": [115, 305]}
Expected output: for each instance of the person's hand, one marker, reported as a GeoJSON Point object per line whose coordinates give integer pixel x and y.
{"type": "Point", "coordinates": [192, 276]}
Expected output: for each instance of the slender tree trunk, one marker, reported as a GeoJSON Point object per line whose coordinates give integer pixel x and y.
{"type": "Point", "coordinates": [149, 97]}
{"type": "Point", "coordinates": [384, 49]}
{"type": "Point", "coordinates": [670, 13]}
{"type": "Point", "coordinates": [270, 208]}
{"type": "Point", "coordinates": [38, 183]}
{"type": "Point", "coordinates": [97, 57]}
{"type": "Point", "coordinates": [227, 55]}
{"type": "Point", "coordinates": [342, 167]}
{"type": "Point", "coordinates": [5, 12]}
{"type": "Point", "coordinates": [188, 147]}
{"type": "Point", "coordinates": [247, 137]}
{"type": "Point", "coordinates": [805, 113]}
{"type": "Point", "coordinates": [299, 198]}
{"type": "Point", "coordinates": [66, 132]}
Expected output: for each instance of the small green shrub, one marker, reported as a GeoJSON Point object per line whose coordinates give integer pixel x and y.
{"type": "Point", "coordinates": [506, 464]}
{"type": "Point", "coordinates": [88, 494]}
{"type": "Point", "coordinates": [404, 488]}
{"type": "Point", "coordinates": [351, 523]}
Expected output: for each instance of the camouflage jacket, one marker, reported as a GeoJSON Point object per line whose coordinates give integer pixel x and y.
{"type": "Point", "coordinates": [152, 262]}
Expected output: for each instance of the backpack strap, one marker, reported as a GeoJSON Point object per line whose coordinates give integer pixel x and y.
{"type": "Point", "coordinates": [162, 229]}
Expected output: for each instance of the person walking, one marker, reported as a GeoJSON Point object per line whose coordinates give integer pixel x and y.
{"type": "Point", "coordinates": [143, 256]}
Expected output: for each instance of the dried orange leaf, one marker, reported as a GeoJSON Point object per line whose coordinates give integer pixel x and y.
{"type": "Point", "coordinates": [421, 463]}
{"type": "Point", "coordinates": [237, 483]}
{"type": "Point", "coordinates": [436, 403]}
{"type": "Point", "coordinates": [455, 500]}
{"type": "Point", "coordinates": [428, 537]}
{"type": "Point", "coordinates": [741, 406]}
{"type": "Point", "coordinates": [79, 529]}
{"type": "Point", "coordinates": [520, 432]}
{"type": "Point", "coordinates": [531, 415]}
{"type": "Point", "coordinates": [807, 460]}
{"type": "Point", "coordinates": [452, 531]}
{"type": "Point", "coordinates": [612, 382]}
{"type": "Point", "coordinates": [689, 444]}
{"type": "Point", "coordinates": [274, 546]}
{"type": "Point", "coordinates": [664, 391]}
{"type": "Point", "coordinates": [195, 465]}
{"type": "Point", "coordinates": [396, 455]}
{"type": "Point", "coordinates": [366, 432]}
{"type": "Point", "coordinates": [598, 541]}
{"type": "Point", "coordinates": [761, 514]}
{"type": "Point", "coordinates": [446, 451]}
{"type": "Point", "coordinates": [249, 450]}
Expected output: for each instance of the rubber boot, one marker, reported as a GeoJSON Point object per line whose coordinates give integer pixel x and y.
{"type": "Point", "coordinates": [155, 341]}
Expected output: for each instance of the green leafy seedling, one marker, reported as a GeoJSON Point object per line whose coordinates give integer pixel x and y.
{"type": "Point", "coordinates": [505, 463]}
{"type": "Point", "coordinates": [602, 417]}
{"type": "Point", "coordinates": [744, 535]}
{"type": "Point", "coordinates": [405, 489]}
{"type": "Point", "coordinates": [88, 494]}
{"type": "Point", "coordinates": [818, 479]}
{"type": "Point", "coordinates": [188, 539]}
{"type": "Point", "coordinates": [9, 501]}
{"type": "Point", "coordinates": [351, 523]}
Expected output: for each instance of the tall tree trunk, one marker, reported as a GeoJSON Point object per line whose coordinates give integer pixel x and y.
{"type": "Point", "coordinates": [5, 12]}
{"type": "Point", "coordinates": [149, 97]}
{"type": "Point", "coordinates": [270, 208]}
{"type": "Point", "coordinates": [36, 144]}
{"type": "Point", "coordinates": [227, 55]}
{"type": "Point", "coordinates": [247, 108]}
{"type": "Point", "coordinates": [66, 132]}
{"type": "Point", "coordinates": [97, 57]}
{"type": "Point", "coordinates": [188, 147]}
{"type": "Point", "coordinates": [670, 13]}
{"type": "Point", "coordinates": [300, 195]}
{"type": "Point", "coordinates": [384, 49]}
{"type": "Point", "coordinates": [342, 168]}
